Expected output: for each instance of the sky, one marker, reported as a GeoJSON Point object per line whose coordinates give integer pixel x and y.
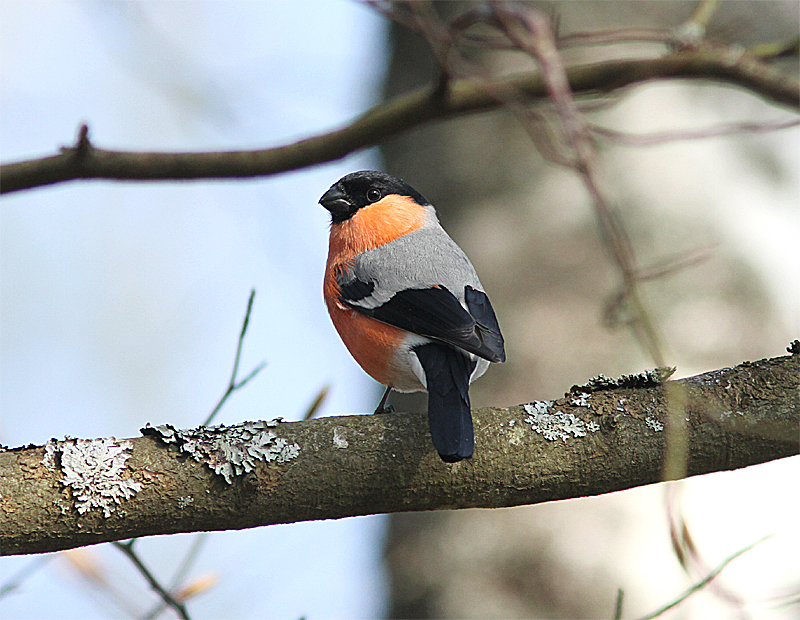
{"type": "Point", "coordinates": [121, 303]}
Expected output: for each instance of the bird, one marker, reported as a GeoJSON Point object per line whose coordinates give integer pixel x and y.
{"type": "Point", "coordinates": [407, 302]}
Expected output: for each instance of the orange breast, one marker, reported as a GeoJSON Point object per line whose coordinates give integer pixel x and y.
{"type": "Point", "coordinates": [370, 342]}
{"type": "Point", "coordinates": [375, 225]}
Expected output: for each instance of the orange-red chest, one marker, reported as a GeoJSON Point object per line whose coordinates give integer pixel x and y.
{"type": "Point", "coordinates": [373, 344]}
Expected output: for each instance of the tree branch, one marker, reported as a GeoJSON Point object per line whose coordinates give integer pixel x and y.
{"type": "Point", "coordinates": [602, 437]}
{"type": "Point", "coordinates": [85, 161]}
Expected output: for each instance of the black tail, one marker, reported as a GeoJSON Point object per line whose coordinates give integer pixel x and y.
{"type": "Point", "coordinates": [447, 373]}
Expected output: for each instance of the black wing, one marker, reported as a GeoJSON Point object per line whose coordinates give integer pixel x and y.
{"type": "Point", "coordinates": [436, 313]}
{"type": "Point", "coordinates": [481, 308]}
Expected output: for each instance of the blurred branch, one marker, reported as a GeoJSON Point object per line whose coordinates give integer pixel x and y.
{"type": "Point", "coordinates": [602, 437]}
{"type": "Point", "coordinates": [530, 31]}
{"type": "Point", "coordinates": [169, 600]}
{"type": "Point", "coordinates": [179, 576]}
{"type": "Point", "coordinates": [614, 37]}
{"type": "Point", "coordinates": [675, 135]}
{"type": "Point", "coordinates": [84, 160]}
{"type": "Point", "coordinates": [14, 582]}
{"type": "Point", "coordinates": [693, 29]}
{"type": "Point", "coordinates": [315, 405]}
{"type": "Point", "coordinates": [688, 554]}
{"type": "Point", "coordinates": [702, 583]}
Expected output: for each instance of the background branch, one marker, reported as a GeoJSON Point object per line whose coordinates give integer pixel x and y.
{"type": "Point", "coordinates": [85, 161]}
{"type": "Point", "coordinates": [585, 444]}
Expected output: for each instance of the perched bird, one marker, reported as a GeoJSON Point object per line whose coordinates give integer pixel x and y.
{"type": "Point", "coordinates": [407, 302]}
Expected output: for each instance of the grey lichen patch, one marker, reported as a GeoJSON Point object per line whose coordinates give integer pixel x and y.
{"type": "Point", "coordinates": [654, 424]}
{"type": "Point", "coordinates": [185, 501]}
{"type": "Point", "coordinates": [581, 399]}
{"type": "Point", "coordinates": [556, 425]}
{"type": "Point", "coordinates": [49, 458]}
{"type": "Point", "coordinates": [229, 451]}
{"type": "Point", "coordinates": [339, 440]}
{"type": "Point", "coordinates": [648, 378]}
{"type": "Point", "coordinates": [93, 470]}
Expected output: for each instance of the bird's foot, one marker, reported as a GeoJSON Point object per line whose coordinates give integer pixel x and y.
{"type": "Point", "coordinates": [383, 407]}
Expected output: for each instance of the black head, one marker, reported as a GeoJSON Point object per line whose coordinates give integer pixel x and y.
{"type": "Point", "coordinates": [359, 189]}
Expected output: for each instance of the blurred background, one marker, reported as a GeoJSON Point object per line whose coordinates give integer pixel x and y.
{"type": "Point", "coordinates": [120, 303]}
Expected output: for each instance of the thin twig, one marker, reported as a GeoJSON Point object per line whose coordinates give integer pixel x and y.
{"type": "Point", "coordinates": [22, 574]}
{"type": "Point", "coordinates": [165, 595]}
{"type": "Point", "coordinates": [180, 573]}
{"type": "Point", "coordinates": [703, 12]}
{"type": "Point", "coordinates": [789, 48]}
{"type": "Point", "coordinates": [618, 604]}
{"type": "Point", "coordinates": [614, 37]}
{"type": "Point", "coordinates": [671, 266]}
{"type": "Point", "coordinates": [233, 385]}
{"type": "Point", "coordinates": [167, 598]}
{"type": "Point", "coordinates": [700, 584]}
{"type": "Point", "coordinates": [317, 402]}
{"type": "Point", "coordinates": [531, 32]}
{"type": "Point", "coordinates": [685, 549]}
{"type": "Point", "coordinates": [727, 129]}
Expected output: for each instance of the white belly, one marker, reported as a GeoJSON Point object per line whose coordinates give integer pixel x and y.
{"type": "Point", "coordinates": [408, 375]}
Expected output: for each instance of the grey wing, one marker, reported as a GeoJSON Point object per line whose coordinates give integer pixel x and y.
{"type": "Point", "coordinates": [422, 259]}
{"type": "Point", "coordinates": [425, 284]}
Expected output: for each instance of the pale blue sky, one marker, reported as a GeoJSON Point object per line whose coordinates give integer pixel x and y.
{"type": "Point", "coordinates": [121, 302]}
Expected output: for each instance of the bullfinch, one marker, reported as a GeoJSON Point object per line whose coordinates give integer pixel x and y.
{"type": "Point", "coordinates": [407, 302]}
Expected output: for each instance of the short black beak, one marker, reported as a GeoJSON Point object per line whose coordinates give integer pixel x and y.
{"type": "Point", "coordinates": [336, 201]}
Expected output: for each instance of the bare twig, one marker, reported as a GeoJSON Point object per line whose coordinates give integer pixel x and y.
{"type": "Point", "coordinates": [670, 266]}
{"type": "Point", "coordinates": [180, 573]}
{"type": "Point", "coordinates": [727, 129]}
{"type": "Point", "coordinates": [317, 402]}
{"type": "Point", "coordinates": [692, 31]}
{"type": "Point", "coordinates": [686, 550]}
{"type": "Point", "coordinates": [14, 582]}
{"type": "Point", "coordinates": [234, 385]}
{"type": "Point", "coordinates": [168, 599]}
{"type": "Point", "coordinates": [530, 31]}
{"type": "Point", "coordinates": [778, 49]}
{"type": "Point", "coordinates": [618, 604]}
{"type": "Point", "coordinates": [614, 37]}
{"type": "Point", "coordinates": [700, 584]}
{"type": "Point", "coordinates": [171, 601]}
{"type": "Point", "coordinates": [703, 12]}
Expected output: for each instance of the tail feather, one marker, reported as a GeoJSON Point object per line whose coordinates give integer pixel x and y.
{"type": "Point", "coordinates": [447, 373]}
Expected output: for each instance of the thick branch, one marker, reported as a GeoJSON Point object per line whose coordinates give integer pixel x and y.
{"type": "Point", "coordinates": [76, 492]}
{"type": "Point", "coordinates": [84, 161]}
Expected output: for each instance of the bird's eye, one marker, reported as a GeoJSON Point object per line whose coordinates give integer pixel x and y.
{"type": "Point", "coordinates": [373, 194]}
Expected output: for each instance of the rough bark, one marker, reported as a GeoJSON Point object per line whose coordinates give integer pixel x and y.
{"type": "Point", "coordinates": [599, 438]}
